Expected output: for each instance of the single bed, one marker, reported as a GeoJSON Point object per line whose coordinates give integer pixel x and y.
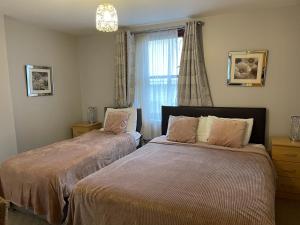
{"type": "Point", "coordinates": [173, 183]}
{"type": "Point", "coordinates": [41, 180]}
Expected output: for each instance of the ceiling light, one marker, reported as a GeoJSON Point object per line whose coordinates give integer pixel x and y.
{"type": "Point", "coordinates": [106, 18]}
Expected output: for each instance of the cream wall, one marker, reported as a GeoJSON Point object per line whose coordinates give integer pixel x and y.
{"type": "Point", "coordinates": [278, 31]}
{"type": "Point", "coordinates": [8, 144]}
{"type": "Point", "coordinates": [43, 120]}
{"type": "Point", "coordinates": [83, 70]}
{"type": "Point", "coordinates": [96, 68]}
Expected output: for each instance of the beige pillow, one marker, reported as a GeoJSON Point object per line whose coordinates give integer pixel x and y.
{"type": "Point", "coordinates": [249, 127]}
{"type": "Point", "coordinates": [228, 133]}
{"type": "Point", "coordinates": [131, 125]}
{"type": "Point", "coordinates": [182, 129]}
{"type": "Point", "coordinates": [116, 122]}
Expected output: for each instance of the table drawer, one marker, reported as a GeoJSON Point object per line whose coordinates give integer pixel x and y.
{"type": "Point", "coordinates": [287, 169]}
{"type": "Point", "coordinates": [288, 184]}
{"type": "Point", "coordinates": [77, 131]}
{"type": "Point", "coordinates": [289, 154]}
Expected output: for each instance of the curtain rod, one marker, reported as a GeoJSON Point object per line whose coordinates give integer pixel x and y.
{"type": "Point", "coordinates": [162, 29]}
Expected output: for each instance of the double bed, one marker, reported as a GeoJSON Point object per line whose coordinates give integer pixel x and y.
{"type": "Point", "coordinates": [41, 180]}
{"type": "Point", "coordinates": [167, 182]}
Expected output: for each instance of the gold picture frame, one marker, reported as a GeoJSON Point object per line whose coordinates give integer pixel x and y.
{"type": "Point", "coordinates": [247, 68]}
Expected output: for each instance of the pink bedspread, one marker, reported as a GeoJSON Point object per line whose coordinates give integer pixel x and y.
{"type": "Point", "coordinates": [167, 183]}
{"type": "Point", "coordinates": [40, 179]}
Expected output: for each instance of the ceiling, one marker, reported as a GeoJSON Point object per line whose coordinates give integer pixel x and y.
{"type": "Point", "coordinates": [78, 16]}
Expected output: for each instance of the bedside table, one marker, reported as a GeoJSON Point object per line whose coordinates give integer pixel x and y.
{"type": "Point", "coordinates": [84, 127]}
{"type": "Point", "coordinates": [286, 158]}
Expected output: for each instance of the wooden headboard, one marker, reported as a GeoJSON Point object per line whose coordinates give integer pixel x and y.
{"type": "Point", "coordinates": [258, 114]}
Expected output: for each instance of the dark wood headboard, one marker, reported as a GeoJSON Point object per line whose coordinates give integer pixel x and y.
{"type": "Point", "coordinates": [258, 114]}
{"type": "Point", "coordinates": [138, 121]}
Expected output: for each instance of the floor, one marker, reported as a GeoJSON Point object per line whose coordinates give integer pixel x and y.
{"type": "Point", "coordinates": [287, 213]}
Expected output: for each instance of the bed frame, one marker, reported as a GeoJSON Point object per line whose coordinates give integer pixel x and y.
{"type": "Point", "coordinates": [259, 115]}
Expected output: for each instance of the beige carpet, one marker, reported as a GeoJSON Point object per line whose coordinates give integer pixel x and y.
{"type": "Point", "coordinates": [287, 213]}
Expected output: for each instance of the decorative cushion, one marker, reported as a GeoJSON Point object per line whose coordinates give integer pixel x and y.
{"type": "Point", "coordinates": [182, 129]}
{"type": "Point", "coordinates": [116, 122]}
{"type": "Point", "coordinates": [228, 133]}
{"type": "Point", "coordinates": [248, 128]}
{"type": "Point", "coordinates": [131, 126]}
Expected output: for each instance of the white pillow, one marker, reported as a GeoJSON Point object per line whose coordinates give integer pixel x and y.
{"type": "Point", "coordinates": [131, 126]}
{"type": "Point", "coordinates": [170, 121]}
{"type": "Point", "coordinates": [248, 130]}
{"type": "Point", "coordinates": [204, 127]}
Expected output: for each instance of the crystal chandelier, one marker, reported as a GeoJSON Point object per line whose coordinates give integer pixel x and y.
{"type": "Point", "coordinates": [106, 18]}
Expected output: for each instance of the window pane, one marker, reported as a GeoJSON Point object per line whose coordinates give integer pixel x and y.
{"type": "Point", "coordinates": [164, 56]}
{"type": "Point", "coordinates": [164, 61]}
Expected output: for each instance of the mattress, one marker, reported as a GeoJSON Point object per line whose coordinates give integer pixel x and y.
{"type": "Point", "coordinates": [168, 183]}
{"type": "Point", "coordinates": [136, 135]}
{"type": "Point", "coordinates": [41, 179]}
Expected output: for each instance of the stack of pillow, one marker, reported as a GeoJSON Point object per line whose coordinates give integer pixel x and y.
{"type": "Point", "coordinates": [213, 130]}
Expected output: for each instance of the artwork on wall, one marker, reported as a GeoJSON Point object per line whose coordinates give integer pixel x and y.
{"type": "Point", "coordinates": [247, 68]}
{"type": "Point", "coordinates": [39, 80]}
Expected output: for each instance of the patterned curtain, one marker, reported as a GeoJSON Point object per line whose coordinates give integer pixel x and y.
{"type": "Point", "coordinates": [193, 87]}
{"type": "Point", "coordinates": [124, 77]}
{"type": "Point", "coordinates": [131, 68]}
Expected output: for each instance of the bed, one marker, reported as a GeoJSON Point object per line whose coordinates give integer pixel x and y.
{"type": "Point", "coordinates": [41, 180]}
{"type": "Point", "coordinates": [173, 183]}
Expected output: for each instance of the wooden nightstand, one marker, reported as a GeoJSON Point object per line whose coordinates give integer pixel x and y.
{"type": "Point", "coordinates": [286, 158]}
{"type": "Point", "coordinates": [84, 127]}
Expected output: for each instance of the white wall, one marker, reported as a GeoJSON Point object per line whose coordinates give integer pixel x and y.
{"type": "Point", "coordinates": [47, 119]}
{"type": "Point", "coordinates": [277, 30]}
{"type": "Point", "coordinates": [86, 64]}
{"type": "Point", "coordinates": [8, 144]}
{"type": "Point", "coordinates": [96, 68]}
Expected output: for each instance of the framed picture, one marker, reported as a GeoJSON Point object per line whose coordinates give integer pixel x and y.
{"type": "Point", "coordinates": [39, 80]}
{"type": "Point", "coordinates": [247, 68]}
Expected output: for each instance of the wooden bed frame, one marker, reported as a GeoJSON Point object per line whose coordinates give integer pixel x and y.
{"type": "Point", "coordinates": [258, 114]}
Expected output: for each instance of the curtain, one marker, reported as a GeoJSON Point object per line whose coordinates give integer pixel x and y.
{"type": "Point", "coordinates": [193, 87]}
{"type": "Point", "coordinates": [124, 75]}
{"type": "Point", "coordinates": [156, 74]}
{"type": "Point", "coordinates": [131, 68]}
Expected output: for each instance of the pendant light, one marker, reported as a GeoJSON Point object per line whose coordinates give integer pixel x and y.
{"type": "Point", "coordinates": [106, 18]}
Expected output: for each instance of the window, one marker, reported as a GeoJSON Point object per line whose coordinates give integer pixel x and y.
{"type": "Point", "coordinates": [164, 63]}
{"type": "Point", "coordinates": [157, 69]}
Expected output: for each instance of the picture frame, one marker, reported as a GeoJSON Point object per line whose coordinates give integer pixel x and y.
{"type": "Point", "coordinates": [39, 80]}
{"type": "Point", "coordinates": [247, 68]}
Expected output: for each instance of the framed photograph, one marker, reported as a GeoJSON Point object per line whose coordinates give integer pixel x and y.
{"type": "Point", "coordinates": [39, 80]}
{"type": "Point", "coordinates": [247, 68]}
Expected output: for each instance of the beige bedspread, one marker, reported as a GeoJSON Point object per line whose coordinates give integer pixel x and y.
{"type": "Point", "coordinates": [165, 183]}
{"type": "Point", "coordinates": [40, 179]}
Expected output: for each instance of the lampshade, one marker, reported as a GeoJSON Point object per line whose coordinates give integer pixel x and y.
{"type": "Point", "coordinates": [106, 18]}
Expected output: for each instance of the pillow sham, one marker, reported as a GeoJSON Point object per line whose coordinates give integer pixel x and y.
{"type": "Point", "coordinates": [116, 122]}
{"type": "Point", "coordinates": [131, 126]}
{"type": "Point", "coordinates": [228, 133]}
{"type": "Point", "coordinates": [182, 129]}
{"type": "Point", "coordinates": [249, 127]}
